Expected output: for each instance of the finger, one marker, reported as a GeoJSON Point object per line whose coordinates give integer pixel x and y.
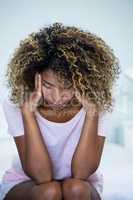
{"type": "Point", "coordinates": [36, 81]}
{"type": "Point", "coordinates": [39, 83]}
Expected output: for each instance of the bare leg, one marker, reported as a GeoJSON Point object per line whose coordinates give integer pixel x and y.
{"type": "Point", "coordinates": [30, 191]}
{"type": "Point", "coordinates": [75, 189]}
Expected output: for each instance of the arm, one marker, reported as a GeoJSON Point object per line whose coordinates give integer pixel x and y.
{"type": "Point", "coordinates": [37, 162]}
{"type": "Point", "coordinates": [31, 147]}
{"type": "Point", "coordinates": [88, 153]}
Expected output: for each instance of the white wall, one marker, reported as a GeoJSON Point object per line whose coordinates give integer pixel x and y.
{"type": "Point", "coordinates": [112, 20]}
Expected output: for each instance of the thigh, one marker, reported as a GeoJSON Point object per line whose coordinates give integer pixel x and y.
{"type": "Point", "coordinates": [20, 191]}
{"type": "Point", "coordinates": [29, 190]}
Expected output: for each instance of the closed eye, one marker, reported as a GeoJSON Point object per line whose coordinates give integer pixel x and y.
{"type": "Point", "coordinates": [67, 88]}
{"type": "Point", "coordinates": [49, 86]}
{"type": "Point", "coordinates": [46, 85]}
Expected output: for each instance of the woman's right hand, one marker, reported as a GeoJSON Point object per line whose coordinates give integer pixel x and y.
{"type": "Point", "coordinates": [30, 104]}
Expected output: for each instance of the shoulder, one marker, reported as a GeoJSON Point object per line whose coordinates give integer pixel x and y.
{"type": "Point", "coordinates": [9, 107]}
{"type": "Point", "coordinates": [13, 117]}
{"type": "Point", "coordinates": [104, 123]}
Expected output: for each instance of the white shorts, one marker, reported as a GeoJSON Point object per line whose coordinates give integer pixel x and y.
{"type": "Point", "coordinates": [98, 189]}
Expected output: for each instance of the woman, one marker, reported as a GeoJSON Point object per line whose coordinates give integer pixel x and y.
{"type": "Point", "coordinates": [61, 81]}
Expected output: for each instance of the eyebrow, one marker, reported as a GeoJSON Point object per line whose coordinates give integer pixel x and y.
{"type": "Point", "coordinates": [44, 81]}
{"type": "Point", "coordinates": [48, 83]}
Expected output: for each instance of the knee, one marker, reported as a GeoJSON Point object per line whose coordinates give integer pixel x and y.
{"type": "Point", "coordinates": [46, 191]}
{"type": "Point", "coordinates": [53, 192]}
{"type": "Point", "coordinates": [76, 188]}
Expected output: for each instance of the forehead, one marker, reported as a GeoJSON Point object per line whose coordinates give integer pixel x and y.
{"type": "Point", "coordinates": [52, 77]}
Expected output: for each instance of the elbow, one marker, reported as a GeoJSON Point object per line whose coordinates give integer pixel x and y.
{"type": "Point", "coordinates": [85, 172]}
{"type": "Point", "coordinates": [38, 174]}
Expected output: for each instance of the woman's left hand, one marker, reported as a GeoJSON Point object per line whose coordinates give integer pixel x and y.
{"type": "Point", "coordinates": [90, 107]}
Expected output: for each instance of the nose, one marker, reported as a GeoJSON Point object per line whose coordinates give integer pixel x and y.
{"type": "Point", "coordinates": [57, 96]}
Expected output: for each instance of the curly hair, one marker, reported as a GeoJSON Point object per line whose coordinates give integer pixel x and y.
{"type": "Point", "coordinates": [74, 54]}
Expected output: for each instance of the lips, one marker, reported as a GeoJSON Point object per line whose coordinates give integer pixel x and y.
{"type": "Point", "coordinates": [62, 104]}
{"type": "Point", "coordinates": [54, 104]}
{"type": "Point", "coordinates": [57, 105]}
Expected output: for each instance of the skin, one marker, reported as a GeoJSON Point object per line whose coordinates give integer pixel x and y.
{"type": "Point", "coordinates": [53, 92]}
{"type": "Point", "coordinates": [70, 188]}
